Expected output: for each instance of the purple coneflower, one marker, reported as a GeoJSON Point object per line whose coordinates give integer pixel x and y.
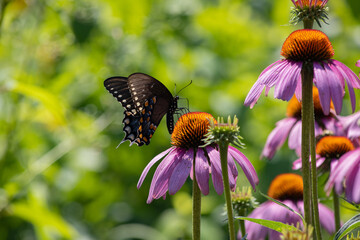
{"type": "Point", "coordinates": [287, 188]}
{"type": "Point", "coordinates": [307, 45]}
{"type": "Point", "coordinates": [346, 176]}
{"type": "Point", "coordinates": [351, 125]}
{"type": "Point", "coordinates": [187, 139]}
{"type": "Point", "coordinates": [329, 151]}
{"type": "Point", "coordinates": [291, 126]}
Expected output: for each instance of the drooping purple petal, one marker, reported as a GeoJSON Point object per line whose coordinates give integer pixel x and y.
{"type": "Point", "coordinates": [277, 137]}
{"type": "Point", "coordinates": [181, 172]}
{"type": "Point", "coordinates": [336, 88]}
{"type": "Point", "coordinates": [267, 78]}
{"type": "Point", "coordinates": [298, 93]}
{"type": "Point", "coordinates": [150, 164]}
{"type": "Point", "coordinates": [202, 171]}
{"type": "Point", "coordinates": [327, 219]}
{"type": "Point", "coordinates": [287, 83]}
{"type": "Point", "coordinates": [351, 79]}
{"type": "Point", "coordinates": [245, 165]}
{"type": "Point", "coordinates": [346, 163]}
{"type": "Point", "coordinates": [215, 164]}
{"type": "Point", "coordinates": [352, 183]}
{"type": "Point", "coordinates": [322, 83]}
{"type": "Point", "coordinates": [163, 166]}
{"type": "Point", "coordinates": [232, 166]}
{"type": "Point", "coordinates": [355, 81]}
{"type": "Point", "coordinates": [163, 173]}
{"type": "Point", "coordinates": [294, 141]}
{"type": "Point", "coordinates": [254, 94]}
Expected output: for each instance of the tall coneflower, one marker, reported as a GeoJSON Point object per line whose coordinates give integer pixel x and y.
{"type": "Point", "coordinates": [288, 189]}
{"type": "Point", "coordinates": [330, 75]}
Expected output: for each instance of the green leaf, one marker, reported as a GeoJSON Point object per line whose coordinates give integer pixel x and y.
{"type": "Point", "coordinates": [274, 225]}
{"type": "Point", "coordinates": [283, 205]}
{"type": "Point", "coordinates": [47, 223]}
{"type": "Point", "coordinates": [51, 102]}
{"type": "Point", "coordinates": [350, 225]}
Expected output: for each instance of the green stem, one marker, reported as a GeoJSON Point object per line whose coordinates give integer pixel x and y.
{"type": "Point", "coordinates": [242, 223]}
{"type": "Point", "coordinates": [336, 210]}
{"type": "Point", "coordinates": [307, 82]}
{"type": "Point", "coordinates": [223, 156]}
{"type": "Point", "coordinates": [308, 24]}
{"type": "Point", "coordinates": [196, 214]}
{"type": "Point", "coordinates": [314, 189]}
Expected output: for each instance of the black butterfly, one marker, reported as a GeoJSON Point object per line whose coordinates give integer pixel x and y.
{"type": "Point", "coordinates": [146, 101]}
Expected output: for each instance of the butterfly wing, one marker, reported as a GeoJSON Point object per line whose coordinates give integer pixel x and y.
{"type": "Point", "coordinates": [146, 101]}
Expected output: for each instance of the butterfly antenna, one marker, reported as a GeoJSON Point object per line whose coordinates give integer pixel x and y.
{"type": "Point", "coordinates": [183, 87]}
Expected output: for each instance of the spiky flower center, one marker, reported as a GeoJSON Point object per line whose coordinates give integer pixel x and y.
{"type": "Point", "coordinates": [308, 3]}
{"type": "Point", "coordinates": [333, 146]}
{"type": "Point", "coordinates": [190, 129]}
{"type": "Point", "coordinates": [307, 45]}
{"type": "Point", "coordinates": [287, 186]}
{"type": "Point", "coordinates": [294, 106]}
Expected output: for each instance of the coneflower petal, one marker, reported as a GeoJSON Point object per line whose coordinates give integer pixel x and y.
{"type": "Point", "coordinates": [202, 171]}
{"type": "Point", "coordinates": [215, 170]}
{"type": "Point", "coordinates": [150, 164]}
{"type": "Point", "coordinates": [181, 172]}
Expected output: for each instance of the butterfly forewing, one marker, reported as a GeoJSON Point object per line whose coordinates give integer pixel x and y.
{"type": "Point", "coordinates": [146, 101]}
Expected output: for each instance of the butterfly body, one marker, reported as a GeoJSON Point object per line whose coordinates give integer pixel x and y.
{"type": "Point", "coordinates": [146, 101]}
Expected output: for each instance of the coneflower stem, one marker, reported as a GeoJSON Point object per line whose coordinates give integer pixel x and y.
{"type": "Point", "coordinates": [223, 146]}
{"type": "Point", "coordinates": [336, 210]}
{"type": "Point", "coordinates": [307, 82]}
{"type": "Point", "coordinates": [314, 188]}
{"type": "Point", "coordinates": [196, 213]}
{"type": "Point", "coordinates": [242, 222]}
{"type": "Point", "coordinates": [308, 23]}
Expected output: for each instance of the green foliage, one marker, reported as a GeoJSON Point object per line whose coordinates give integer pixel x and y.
{"type": "Point", "coordinates": [274, 225]}
{"type": "Point", "coordinates": [61, 176]}
{"type": "Point", "coordinates": [349, 226]}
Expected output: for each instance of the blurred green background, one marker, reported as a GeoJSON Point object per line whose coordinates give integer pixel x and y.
{"type": "Point", "coordinates": [61, 176]}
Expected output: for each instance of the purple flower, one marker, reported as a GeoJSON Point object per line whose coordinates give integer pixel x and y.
{"type": "Point", "coordinates": [287, 188]}
{"type": "Point", "coordinates": [351, 125]}
{"type": "Point", "coordinates": [329, 150]}
{"type": "Point", "coordinates": [178, 161]}
{"type": "Point", "coordinates": [290, 127]}
{"type": "Point", "coordinates": [346, 176]}
{"type": "Point", "coordinates": [307, 45]}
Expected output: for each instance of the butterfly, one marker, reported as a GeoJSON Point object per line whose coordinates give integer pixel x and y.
{"type": "Point", "coordinates": [146, 101]}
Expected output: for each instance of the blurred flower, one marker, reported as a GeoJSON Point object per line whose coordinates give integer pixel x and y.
{"type": "Point", "coordinates": [329, 150]}
{"type": "Point", "coordinates": [291, 126]}
{"type": "Point", "coordinates": [351, 125]}
{"type": "Point", "coordinates": [187, 140]}
{"type": "Point", "coordinates": [288, 189]}
{"type": "Point", "coordinates": [309, 10]}
{"type": "Point", "coordinates": [346, 176]}
{"type": "Point", "coordinates": [307, 46]}
{"type": "Point", "coordinates": [358, 64]}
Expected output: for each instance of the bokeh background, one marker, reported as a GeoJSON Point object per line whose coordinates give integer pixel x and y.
{"type": "Point", "coordinates": [61, 176]}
